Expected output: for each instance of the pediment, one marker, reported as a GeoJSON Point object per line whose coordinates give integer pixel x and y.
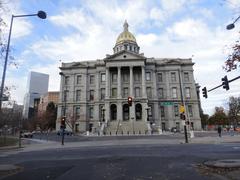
{"type": "Point", "coordinates": [125, 55]}
{"type": "Point", "coordinates": [173, 61]}
{"type": "Point", "coordinates": [78, 64]}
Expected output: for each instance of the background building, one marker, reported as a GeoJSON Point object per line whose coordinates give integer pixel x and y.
{"type": "Point", "coordinates": [52, 96]}
{"type": "Point", "coordinates": [94, 94]}
{"type": "Point", "coordinates": [37, 85]}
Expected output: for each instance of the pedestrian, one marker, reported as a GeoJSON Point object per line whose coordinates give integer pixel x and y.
{"type": "Point", "coordinates": [219, 131]}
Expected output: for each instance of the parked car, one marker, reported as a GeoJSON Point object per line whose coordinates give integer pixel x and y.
{"type": "Point", "coordinates": [175, 129]}
{"type": "Point", "coordinates": [26, 135]}
{"type": "Point", "coordinates": [66, 132]}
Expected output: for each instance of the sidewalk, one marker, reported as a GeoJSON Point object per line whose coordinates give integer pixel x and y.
{"type": "Point", "coordinates": [215, 140]}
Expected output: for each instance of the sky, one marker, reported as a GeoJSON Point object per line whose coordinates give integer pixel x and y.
{"type": "Point", "coordinates": [87, 30]}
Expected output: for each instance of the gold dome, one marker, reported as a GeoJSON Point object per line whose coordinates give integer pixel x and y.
{"type": "Point", "coordinates": [125, 35]}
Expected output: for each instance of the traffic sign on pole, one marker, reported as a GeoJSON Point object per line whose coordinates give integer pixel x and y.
{"type": "Point", "coordinates": [181, 109]}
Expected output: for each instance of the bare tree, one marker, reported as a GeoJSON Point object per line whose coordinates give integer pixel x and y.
{"type": "Point", "coordinates": [234, 58]}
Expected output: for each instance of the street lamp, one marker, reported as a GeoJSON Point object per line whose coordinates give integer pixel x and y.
{"type": "Point", "coordinates": [231, 26]}
{"type": "Point", "coordinates": [40, 14]}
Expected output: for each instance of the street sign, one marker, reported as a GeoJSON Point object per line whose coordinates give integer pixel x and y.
{"type": "Point", "coordinates": [166, 103]}
{"type": "Point", "coordinates": [181, 109]}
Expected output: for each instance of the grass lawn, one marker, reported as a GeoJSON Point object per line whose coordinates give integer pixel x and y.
{"type": "Point", "coordinates": [9, 141]}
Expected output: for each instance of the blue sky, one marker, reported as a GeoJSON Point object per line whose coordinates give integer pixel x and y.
{"type": "Point", "coordinates": [87, 30]}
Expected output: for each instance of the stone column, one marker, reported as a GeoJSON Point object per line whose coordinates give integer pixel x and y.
{"type": "Point", "coordinates": [154, 85]}
{"type": "Point", "coordinates": [131, 81]}
{"type": "Point", "coordinates": [119, 88]}
{"type": "Point", "coordinates": [144, 95]}
{"type": "Point", "coordinates": [107, 83]}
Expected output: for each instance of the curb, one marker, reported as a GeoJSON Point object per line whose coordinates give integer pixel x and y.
{"type": "Point", "coordinates": [224, 163]}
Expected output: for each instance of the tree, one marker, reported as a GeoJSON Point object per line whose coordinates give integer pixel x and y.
{"type": "Point", "coordinates": [51, 115]}
{"type": "Point", "coordinates": [219, 117]}
{"type": "Point", "coordinates": [234, 58]}
{"type": "Point", "coordinates": [234, 110]}
{"type": "Point", "coordinates": [46, 120]}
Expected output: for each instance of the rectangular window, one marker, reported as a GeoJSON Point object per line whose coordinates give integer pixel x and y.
{"type": "Point", "coordinates": [176, 110]}
{"type": "Point", "coordinates": [91, 112]}
{"type": "Point", "coordinates": [102, 93]}
{"type": "Point", "coordinates": [187, 92]}
{"type": "Point", "coordinates": [174, 92]}
{"type": "Point", "coordinates": [114, 92]}
{"type": "Point", "coordinates": [79, 79]}
{"type": "Point", "coordinates": [103, 77]}
{"type": "Point", "coordinates": [149, 92]}
{"type": "Point", "coordinates": [186, 77]}
{"type": "Point", "coordinates": [92, 79]}
{"type": "Point", "coordinates": [173, 77]}
{"type": "Point", "coordinates": [137, 92]}
{"type": "Point", "coordinates": [162, 111]}
{"type": "Point", "coordinates": [137, 76]}
{"type": "Point", "coordinates": [190, 111]}
{"type": "Point", "coordinates": [67, 80]}
{"type": "Point", "coordinates": [78, 95]}
{"type": "Point", "coordinates": [148, 76]}
{"type": "Point", "coordinates": [66, 95]}
{"type": "Point", "coordinates": [77, 112]}
{"type": "Point", "coordinates": [102, 113]}
{"type": "Point", "coordinates": [125, 77]}
{"type": "Point", "coordinates": [125, 92]}
{"type": "Point", "coordinates": [160, 92]}
{"type": "Point", "coordinates": [114, 77]}
{"type": "Point", "coordinates": [160, 78]}
{"type": "Point", "coordinates": [91, 95]}
{"type": "Point", "coordinates": [150, 110]}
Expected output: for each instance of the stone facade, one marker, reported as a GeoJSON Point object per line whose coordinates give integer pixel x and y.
{"type": "Point", "coordinates": [93, 94]}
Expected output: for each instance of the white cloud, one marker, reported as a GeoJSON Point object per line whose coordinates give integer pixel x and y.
{"type": "Point", "coordinates": [172, 6]}
{"type": "Point", "coordinates": [92, 29]}
{"type": "Point", "coordinates": [233, 4]}
{"type": "Point", "coordinates": [188, 29]}
{"type": "Point", "coordinates": [21, 26]}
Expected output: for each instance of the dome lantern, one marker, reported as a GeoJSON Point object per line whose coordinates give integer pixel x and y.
{"type": "Point", "coordinates": [126, 41]}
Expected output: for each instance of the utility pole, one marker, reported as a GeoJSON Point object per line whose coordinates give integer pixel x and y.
{"type": "Point", "coordinates": [183, 117]}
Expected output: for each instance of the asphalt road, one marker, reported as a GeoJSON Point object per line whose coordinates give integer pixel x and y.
{"type": "Point", "coordinates": [137, 162]}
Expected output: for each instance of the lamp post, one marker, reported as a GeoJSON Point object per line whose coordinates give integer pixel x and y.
{"type": "Point", "coordinates": [231, 26]}
{"type": "Point", "coordinates": [40, 14]}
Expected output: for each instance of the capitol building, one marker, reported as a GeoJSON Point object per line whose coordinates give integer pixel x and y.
{"type": "Point", "coordinates": [94, 94]}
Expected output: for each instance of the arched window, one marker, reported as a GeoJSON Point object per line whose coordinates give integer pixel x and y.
{"type": "Point", "coordinates": [113, 112]}
{"type": "Point", "coordinates": [125, 112]}
{"type": "Point", "coordinates": [138, 111]}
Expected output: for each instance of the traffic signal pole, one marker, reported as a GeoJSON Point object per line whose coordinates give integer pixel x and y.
{"type": "Point", "coordinates": [222, 84]}
{"type": "Point", "coordinates": [183, 104]}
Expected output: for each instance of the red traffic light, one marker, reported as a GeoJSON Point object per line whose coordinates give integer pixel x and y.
{"type": "Point", "coordinates": [130, 101]}
{"type": "Point", "coordinates": [182, 116]}
{"type": "Point", "coordinates": [63, 123]}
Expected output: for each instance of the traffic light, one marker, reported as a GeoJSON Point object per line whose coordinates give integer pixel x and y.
{"type": "Point", "coordinates": [225, 83]}
{"type": "Point", "coordinates": [182, 116]}
{"type": "Point", "coordinates": [63, 123]}
{"type": "Point", "coordinates": [204, 91]}
{"type": "Point", "coordinates": [130, 101]}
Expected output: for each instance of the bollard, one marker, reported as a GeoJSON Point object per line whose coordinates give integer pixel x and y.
{"type": "Point", "coordinates": [139, 132]}
{"type": "Point", "coordinates": [110, 133]}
